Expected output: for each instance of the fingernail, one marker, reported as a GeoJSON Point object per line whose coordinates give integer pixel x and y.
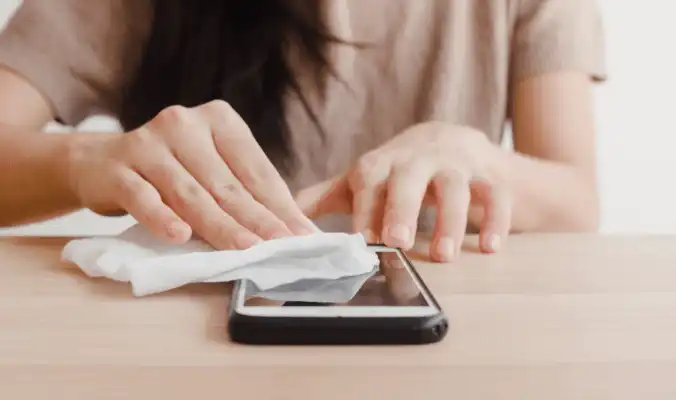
{"type": "Point", "coordinates": [245, 241]}
{"type": "Point", "coordinates": [302, 230]}
{"type": "Point", "coordinates": [369, 236]}
{"type": "Point", "coordinates": [306, 232]}
{"type": "Point", "coordinates": [400, 233]}
{"type": "Point", "coordinates": [178, 230]}
{"type": "Point", "coordinates": [279, 235]}
{"type": "Point", "coordinates": [494, 242]}
{"type": "Point", "coordinates": [446, 248]}
{"type": "Point", "coordinates": [310, 228]}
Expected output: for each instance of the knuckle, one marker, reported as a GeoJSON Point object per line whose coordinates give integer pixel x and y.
{"type": "Point", "coordinates": [368, 162]}
{"type": "Point", "coordinates": [495, 190]}
{"type": "Point", "coordinates": [260, 177]}
{"type": "Point", "coordinates": [186, 194]}
{"type": "Point", "coordinates": [219, 234]}
{"type": "Point", "coordinates": [218, 107]}
{"type": "Point", "coordinates": [406, 169]}
{"type": "Point", "coordinates": [487, 185]}
{"type": "Point", "coordinates": [228, 123]}
{"type": "Point", "coordinates": [225, 230]}
{"type": "Point", "coordinates": [234, 190]}
{"type": "Point", "coordinates": [367, 172]}
{"type": "Point", "coordinates": [237, 202]}
{"type": "Point", "coordinates": [229, 234]}
{"type": "Point", "coordinates": [452, 177]}
{"type": "Point", "coordinates": [174, 121]}
{"type": "Point", "coordinates": [130, 190]}
{"type": "Point", "coordinates": [230, 195]}
{"type": "Point", "coordinates": [137, 143]}
{"type": "Point", "coordinates": [122, 183]}
{"type": "Point", "coordinates": [158, 166]}
{"type": "Point", "coordinates": [265, 229]}
{"type": "Point", "coordinates": [261, 223]}
{"type": "Point", "coordinates": [174, 115]}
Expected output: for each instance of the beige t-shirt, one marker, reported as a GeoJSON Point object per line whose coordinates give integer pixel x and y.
{"type": "Point", "coordinates": [450, 60]}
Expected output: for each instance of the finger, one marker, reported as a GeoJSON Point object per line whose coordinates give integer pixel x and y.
{"type": "Point", "coordinates": [405, 192]}
{"type": "Point", "coordinates": [192, 203]}
{"type": "Point", "coordinates": [240, 150]}
{"type": "Point", "coordinates": [453, 196]}
{"type": "Point", "coordinates": [234, 199]}
{"type": "Point", "coordinates": [143, 202]}
{"type": "Point", "coordinates": [378, 214]}
{"type": "Point", "coordinates": [329, 197]}
{"type": "Point", "coordinates": [368, 183]}
{"type": "Point", "coordinates": [368, 210]}
{"type": "Point", "coordinates": [497, 216]}
{"type": "Point", "coordinates": [204, 163]}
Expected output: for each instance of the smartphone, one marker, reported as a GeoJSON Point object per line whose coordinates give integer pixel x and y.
{"type": "Point", "coordinates": [389, 305]}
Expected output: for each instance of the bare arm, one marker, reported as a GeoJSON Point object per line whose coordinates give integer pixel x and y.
{"type": "Point", "coordinates": [33, 177]}
{"type": "Point", "coordinates": [216, 182]}
{"type": "Point", "coordinates": [553, 172]}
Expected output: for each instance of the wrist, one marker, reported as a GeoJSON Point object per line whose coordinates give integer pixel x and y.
{"type": "Point", "coordinates": [56, 149]}
{"type": "Point", "coordinates": [74, 151]}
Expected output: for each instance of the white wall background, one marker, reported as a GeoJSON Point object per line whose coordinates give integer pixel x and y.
{"type": "Point", "coordinates": [636, 114]}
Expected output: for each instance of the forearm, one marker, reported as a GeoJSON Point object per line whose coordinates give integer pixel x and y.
{"type": "Point", "coordinates": [549, 196]}
{"type": "Point", "coordinates": [34, 176]}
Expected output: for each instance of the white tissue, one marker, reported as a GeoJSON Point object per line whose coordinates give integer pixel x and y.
{"type": "Point", "coordinates": [152, 266]}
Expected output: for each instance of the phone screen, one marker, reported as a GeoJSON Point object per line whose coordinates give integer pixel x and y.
{"type": "Point", "coordinates": [390, 284]}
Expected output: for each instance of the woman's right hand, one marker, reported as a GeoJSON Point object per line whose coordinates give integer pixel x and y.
{"type": "Point", "coordinates": [189, 170]}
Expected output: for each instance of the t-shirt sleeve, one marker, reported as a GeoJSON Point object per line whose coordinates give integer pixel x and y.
{"type": "Point", "coordinates": [78, 53]}
{"type": "Point", "coordinates": [558, 35]}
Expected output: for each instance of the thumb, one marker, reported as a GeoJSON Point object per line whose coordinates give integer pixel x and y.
{"type": "Point", "coordinates": [329, 197]}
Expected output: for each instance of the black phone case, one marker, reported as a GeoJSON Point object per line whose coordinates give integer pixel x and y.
{"type": "Point", "coordinates": [341, 330]}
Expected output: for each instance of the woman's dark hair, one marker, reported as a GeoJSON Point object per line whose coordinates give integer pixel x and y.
{"type": "Point", "coordinates": [234, 50]}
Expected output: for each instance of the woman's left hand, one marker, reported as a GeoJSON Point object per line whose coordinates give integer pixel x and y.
{"type": "Point", "coordinates": [453, 168]}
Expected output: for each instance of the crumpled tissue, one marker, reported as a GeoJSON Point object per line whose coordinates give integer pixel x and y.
{"type": "Point", "coordinates": [152, 266]}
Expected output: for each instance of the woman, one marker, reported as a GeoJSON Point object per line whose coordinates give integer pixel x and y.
{"type": "Point", "coordinates": [245, 122]}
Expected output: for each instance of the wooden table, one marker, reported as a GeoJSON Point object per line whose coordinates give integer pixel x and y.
{"type": "Point", "coordinates": [551, 317]}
